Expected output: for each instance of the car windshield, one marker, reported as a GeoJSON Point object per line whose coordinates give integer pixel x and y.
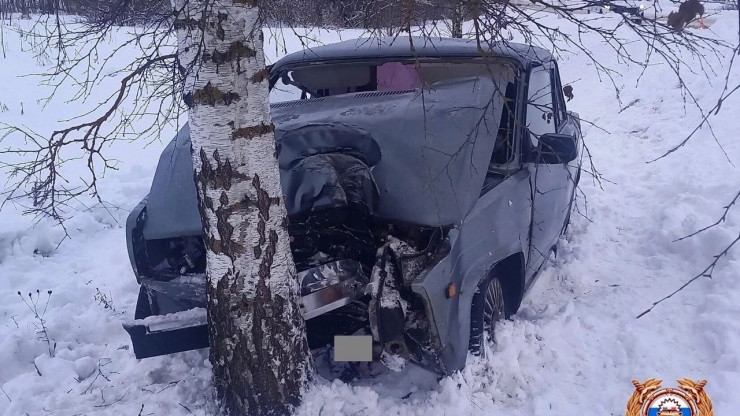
{"type": "Point", "coordinates": [343, 78]}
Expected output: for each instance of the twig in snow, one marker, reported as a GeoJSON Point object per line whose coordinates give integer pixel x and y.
{"type": "Point", "coordinates": [173, 383]}
{"type": "Point", "coordinates": [705, 273]}
{"type": "Point", "coordinates": [183, 406]}
{"type": "Point", "coordinates": [92, 382]}
{"type": "Point", "coordinates": [467, 396]}
{"type": "Point", "coordinates": [115, 401]}
{"type": "Point", "coordinates": [726, 209]}
{"type": "Point", "coordinates": [6, 394]}
{"type": "Point", "coordinates": [635, 101]}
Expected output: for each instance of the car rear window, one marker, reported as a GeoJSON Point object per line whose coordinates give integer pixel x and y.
{"type": "Point", "coordinates": [328, 80]}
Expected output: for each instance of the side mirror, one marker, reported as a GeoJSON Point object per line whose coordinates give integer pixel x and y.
{"type": "Point", "coordinates": [555, 149]}
{"type": "Point", "coordinates": [568, 92]}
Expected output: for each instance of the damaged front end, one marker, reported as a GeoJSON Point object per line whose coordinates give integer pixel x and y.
{"type": "Point", "coordinates": [355, 287]}
{"type": "Point", "coordinates": [397, 317]}
{"type": "Point", "coordinates": [355, 269]}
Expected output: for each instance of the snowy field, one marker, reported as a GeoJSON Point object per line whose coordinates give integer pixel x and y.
{"type": "Point", "coordinates": [572, 349]}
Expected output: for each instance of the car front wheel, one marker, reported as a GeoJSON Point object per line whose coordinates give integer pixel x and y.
{"type": "Point", "coordinates": [488, 308]}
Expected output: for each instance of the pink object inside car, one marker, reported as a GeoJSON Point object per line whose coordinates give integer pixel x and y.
{"type": "Point", "coordinates": [397, 76]}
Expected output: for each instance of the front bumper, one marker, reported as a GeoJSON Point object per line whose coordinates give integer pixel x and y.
{"type": "Point", "coordinates": [169, 334]}
{"type": "Point", "coordinates": [181, 321]}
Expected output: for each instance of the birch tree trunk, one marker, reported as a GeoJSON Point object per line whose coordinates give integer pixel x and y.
{"type": "Point", "coordinates": [457, 17]}
{"type": "Point", "coordinates": [259, 351]}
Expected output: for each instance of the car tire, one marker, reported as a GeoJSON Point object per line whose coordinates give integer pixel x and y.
{"type": "Point", "coordinates": [488, 307]}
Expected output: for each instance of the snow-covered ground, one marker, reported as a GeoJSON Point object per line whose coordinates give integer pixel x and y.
{"type": "Point", "coordinates": [572, 349]}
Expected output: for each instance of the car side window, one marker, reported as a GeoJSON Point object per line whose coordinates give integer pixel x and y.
{"type": "Point", "coordinates": [540, 109]}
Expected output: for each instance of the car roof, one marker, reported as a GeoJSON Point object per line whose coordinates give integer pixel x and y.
{"type": "Point", "coordinates": [423, 47]}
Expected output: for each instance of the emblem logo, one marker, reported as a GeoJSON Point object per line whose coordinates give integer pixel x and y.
{"type": "Point", "coordinates": [690, 399]}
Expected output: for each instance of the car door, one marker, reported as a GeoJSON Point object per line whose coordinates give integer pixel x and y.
{"type": "Point", "coordinates": [551, 185]}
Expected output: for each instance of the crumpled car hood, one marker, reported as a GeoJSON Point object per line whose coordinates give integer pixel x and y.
{"type": "Point", "coordinates": [434, 146]}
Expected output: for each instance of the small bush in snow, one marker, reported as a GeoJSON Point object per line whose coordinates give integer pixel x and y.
{"type": "Point", "coordinates": [33, 303]}
{"type": "Point", "coordinates": [104, 300]}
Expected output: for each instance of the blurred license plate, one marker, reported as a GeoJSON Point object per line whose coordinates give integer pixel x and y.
{"type": "Point", "coordinates": [353, 348]}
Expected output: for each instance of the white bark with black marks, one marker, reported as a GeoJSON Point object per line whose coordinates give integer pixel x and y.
{"type": "Point", "coordinates": [259, 351]}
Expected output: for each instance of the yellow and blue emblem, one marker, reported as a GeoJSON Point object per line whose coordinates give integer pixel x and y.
{"type": "Point", "coordinates": [690, 399]}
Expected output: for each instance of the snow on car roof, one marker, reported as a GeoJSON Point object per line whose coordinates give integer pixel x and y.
{"type": "Point", "coordinates": [400, 47]}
